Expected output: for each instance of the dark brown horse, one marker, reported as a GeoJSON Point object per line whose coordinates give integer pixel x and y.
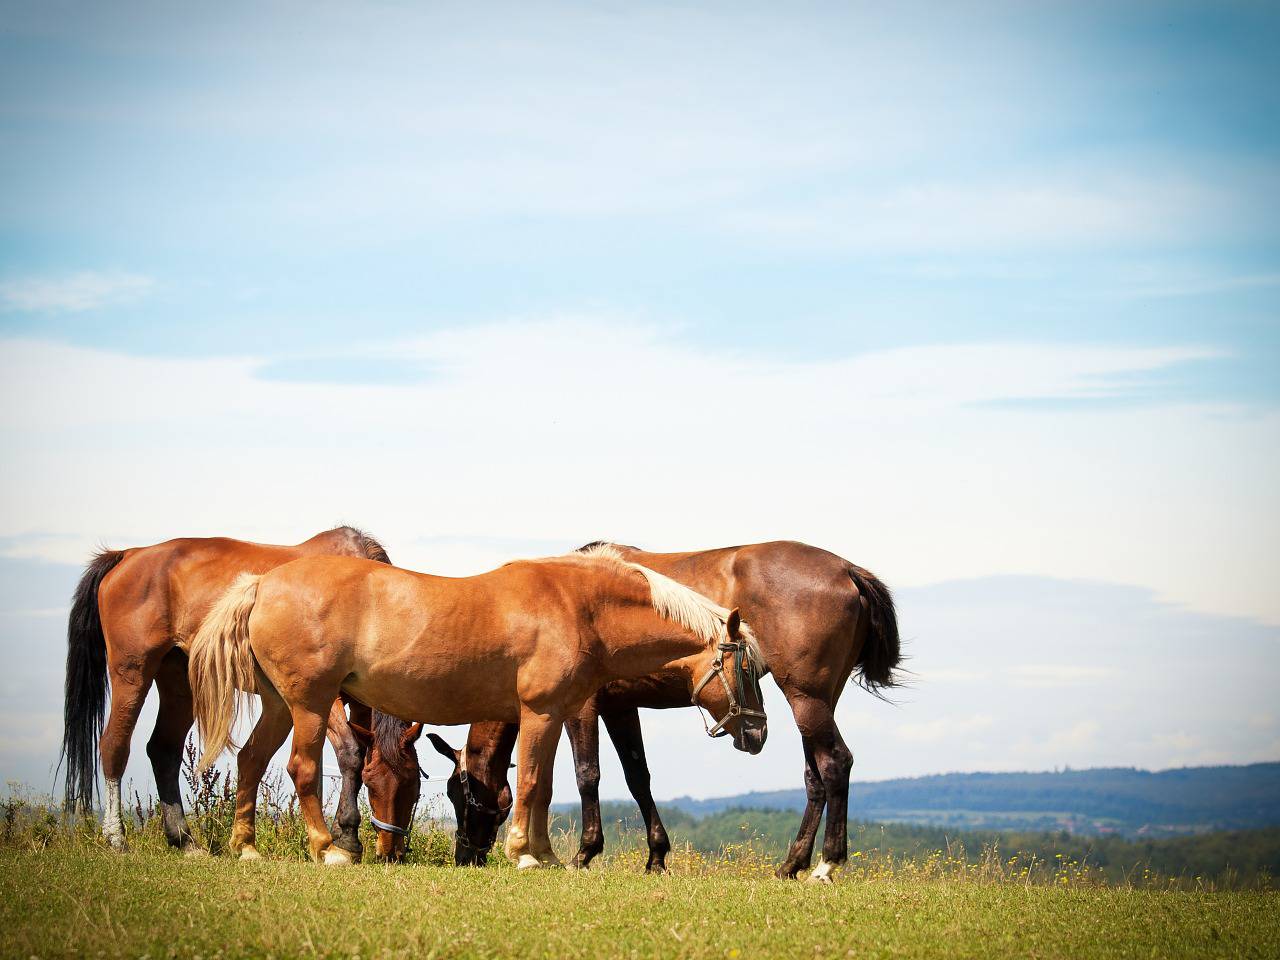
{"type": "Point", "coordinates": [819, 619]}
{"type": "Point", "coordinates": [529, 643]}
{"type": "Point", "coordinates": [131, 616]}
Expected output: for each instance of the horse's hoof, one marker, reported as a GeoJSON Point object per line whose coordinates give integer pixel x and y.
{"type": "Point", "coordinates": [334, 857]}
{"type": "Point", "coordinates": [194, 851]}
{"type": "Point", "coordinates": [250, 853]}
{"type": "Point", "coordinates": [822, 873]}
{"type": "Point", "coordinates": [528, 861]}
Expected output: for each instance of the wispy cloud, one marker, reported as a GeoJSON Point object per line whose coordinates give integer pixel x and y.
{"type": "Point", "coordinates": [72, 293]}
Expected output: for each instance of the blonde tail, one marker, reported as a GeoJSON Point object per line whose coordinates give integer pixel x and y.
{"type": "Point", "coordinates": [222, 667]}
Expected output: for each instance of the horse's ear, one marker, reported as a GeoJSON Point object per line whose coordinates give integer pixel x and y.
{"type": "Point", "coordinates": [443, 748]}
{"type": "Point", "coordinates": [410, 736]}
{"type": "Point", "coordinates": [734, 624]}
{"type": "Point", "coordinates": [363, 734]}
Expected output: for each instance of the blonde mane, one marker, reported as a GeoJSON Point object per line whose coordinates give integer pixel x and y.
{"type": "Point", "coordinates": [675, 602]}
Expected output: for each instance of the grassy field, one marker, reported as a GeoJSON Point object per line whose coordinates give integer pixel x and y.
{"type": "Point", "coordinates": [79, 899]}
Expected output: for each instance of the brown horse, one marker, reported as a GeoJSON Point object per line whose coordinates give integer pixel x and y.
{"type": "Point", "coordinates": [527, 643]}
{"type": "Point", "coordinates": [394, 778]}
{"type": "Point", "coordinates": [131, 615]}
{"type": "Point", "coordinates": [819, 619]}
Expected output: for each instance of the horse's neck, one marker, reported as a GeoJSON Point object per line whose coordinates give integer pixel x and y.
{"type": "Point", "coordinates": [328, 543]}
{"type": "Point", "coordinates": [638, 641]}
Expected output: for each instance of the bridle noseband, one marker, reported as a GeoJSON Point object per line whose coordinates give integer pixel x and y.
{"type": "Point", "coordinates": [462, 834]}
{"type": "Point", "coordinates": [391, 828]}
{"type": "Point", "coordinates": [746, 670]}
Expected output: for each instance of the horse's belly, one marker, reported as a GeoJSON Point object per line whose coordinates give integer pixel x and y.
{"type": "Point", "coordinates": [465, 693]}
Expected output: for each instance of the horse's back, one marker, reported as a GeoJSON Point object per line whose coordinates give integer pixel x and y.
{"type": "Point", "coordinates": [167, 588]}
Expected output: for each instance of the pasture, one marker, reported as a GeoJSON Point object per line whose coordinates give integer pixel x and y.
{"type": "Point", "coordinates": [87, 901]}
{"type": "Point", "coordinates": [64, 893]}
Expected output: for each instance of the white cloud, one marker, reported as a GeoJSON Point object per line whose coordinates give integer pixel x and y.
{"type": "Point", "coordinates": [573, 429]}
{"type": "Point", "coordinates": [73, 293]}
{"type": "Point", "coordinates": [1021, 211]}
{"type": "Point", "coordinates": [945, 728]}
{"type": "Point", "coordinates": [1056, 674]}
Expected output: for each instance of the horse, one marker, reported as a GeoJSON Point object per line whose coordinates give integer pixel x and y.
{"type": "Point", "coordinates": [393, 779]}
{"type": "Point", "coordinates": [820, 618]}
{"type": "Point", "coordinates": [527, 643]}
{"type": "Point", "coordinates": [131, 616]}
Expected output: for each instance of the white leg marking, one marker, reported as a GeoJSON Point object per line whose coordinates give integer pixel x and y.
{"type": "Point", "coordinates": [250, 853]}
{"type": "Point", "coordinates": [822, 873]}
{"type": "Point", "coordinates": [337, 857]}
{"type": "Point", "coordinates": [528, 861]}
{"type": "Point", "coordinates": [112, 826]}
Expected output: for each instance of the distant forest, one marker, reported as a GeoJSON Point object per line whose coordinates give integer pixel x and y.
{"type": "Point", "coordinates": [1117, 800]}
{"type": "Point", "coordinates": [1191, 822]}
{"type": "Point", "coordinates": [1248, 853]}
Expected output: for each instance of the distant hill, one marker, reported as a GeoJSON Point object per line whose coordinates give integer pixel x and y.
{"type": "Point", "coordinates": [1115, 800]}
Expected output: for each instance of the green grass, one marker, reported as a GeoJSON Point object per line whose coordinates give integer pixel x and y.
{"type": "Point", "coordinates": [75, 898]}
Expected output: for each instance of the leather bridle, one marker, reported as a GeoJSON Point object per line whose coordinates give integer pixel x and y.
{"type": "Point", "coordinates": [463, 834]}
{"type": "Point", "coordinates": [391, 828]}
{"type": "Point", "coordinates": [746, 671]}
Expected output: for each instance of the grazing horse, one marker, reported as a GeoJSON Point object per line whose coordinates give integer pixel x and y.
{"type": "Point", "coordinates": [528, 643]}
{"type": "Point", "coordinates": [819, 619]}
{"type": "Point", "coordinates": [131, 616]}
{"type": "Point", "coordinates": [394, 779]}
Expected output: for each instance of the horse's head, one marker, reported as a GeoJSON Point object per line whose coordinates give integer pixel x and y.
{"type": "Point", "coordinates": [394, 785]}
{"type": "Point", "coordinates": [728, 687]}
{"type": "Point", "coordinates": [480, 803]}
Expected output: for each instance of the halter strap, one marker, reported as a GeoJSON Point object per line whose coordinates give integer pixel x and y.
{"type": "Point", "coordinates": [736, 709]}
{"type": "Point", "coordinates": [388, 827]}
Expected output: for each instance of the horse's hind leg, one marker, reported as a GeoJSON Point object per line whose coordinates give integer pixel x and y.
{"type": "Point", "coordinates": [351, 753]}
{"type": "Point", "coordinates": [624, 730]}
{"type": "Point", "coordinates": [835, 763]}
{"type": "Point", "coordinates": [828, 764]}
{"type": "Point", "coordinates": [131, 675]}
{"type": "Point", "coordinates": [801, 852]}
{"type": "Point", "coordinates": [165, 746]}
{"type": "Point", "coordinates": [264, 741]}
{"type": "Point", "coordinates": [309, 725]}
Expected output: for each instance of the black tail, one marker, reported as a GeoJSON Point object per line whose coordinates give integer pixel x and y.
{"type": "Point", "coordinates": [85, 701]}
{"type": "Point", "coordinates": [882, 653]}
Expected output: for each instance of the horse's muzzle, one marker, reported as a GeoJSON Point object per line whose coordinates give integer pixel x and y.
{"type": "Point", "coordinates": [751, 738]}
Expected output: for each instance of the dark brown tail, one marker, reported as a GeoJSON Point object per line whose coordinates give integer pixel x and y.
{"type": "Point", "coordinates": [882, 653]}
{"type": "Point", "coordinates": [85, 698]}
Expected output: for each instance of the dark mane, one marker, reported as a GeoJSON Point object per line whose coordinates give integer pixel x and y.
{"type": "Point", "coordinates": [387, 731]}
{"type": "Point", "coordinates": [604, 543]}
{"type": "Point", "coordinates": [369, 546]}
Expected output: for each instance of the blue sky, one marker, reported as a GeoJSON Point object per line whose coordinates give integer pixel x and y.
{"type": "Point", "coordinates": [959, 292]}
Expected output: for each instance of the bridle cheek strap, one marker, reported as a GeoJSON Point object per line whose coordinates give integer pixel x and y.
{"type": "Point", "coordinates": [736, 709]}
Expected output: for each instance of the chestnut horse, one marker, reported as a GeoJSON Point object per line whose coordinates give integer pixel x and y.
{"type": "Point", "coordinates": [819, 618]}
{"type": "Point", "coordinates": [131, 614]}
{"type": "Point", "coordinates": [527, 643]}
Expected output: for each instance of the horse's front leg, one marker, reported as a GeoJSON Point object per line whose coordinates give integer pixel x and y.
{"type": "Point", "coordinates": [528, 842]}
{"type": "Point", "coordinates": [350, 753]}
{"type": "Point", "coordinates": [624, 730]}
{"type": "Point", "coordinates": [584, 739]}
